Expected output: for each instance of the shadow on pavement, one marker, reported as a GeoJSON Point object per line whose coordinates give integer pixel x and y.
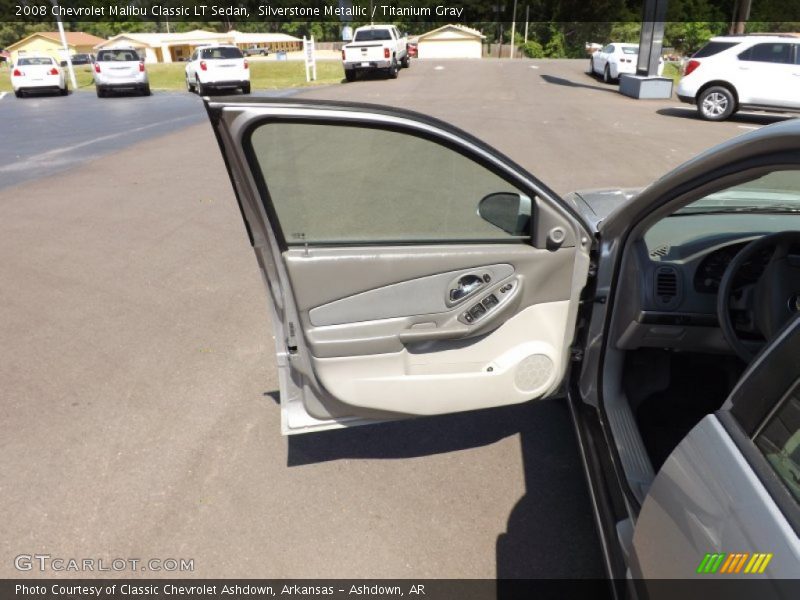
{"type": "Point", "coordinates": [690, 112]}
{"type": "Point", "coordinates": [568, 83]}
{"type": "Point", "coordinates": [551, 531]}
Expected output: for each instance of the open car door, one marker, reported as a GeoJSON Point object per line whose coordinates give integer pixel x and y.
{"type": "Point", "coordinates": [411, 269]}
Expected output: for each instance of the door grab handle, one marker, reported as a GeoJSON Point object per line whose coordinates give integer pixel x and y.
{"type": "Point", "coordinates": [465, 286]}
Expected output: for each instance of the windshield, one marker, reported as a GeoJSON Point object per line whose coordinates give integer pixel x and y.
{"type": "Point", "coordinates": [778, 191]}
{"type": "Point", "coordinates": [222, 52]}
{"type": "Point", "coordinates": [35, 61]}
{"type": "Point", "coordinates": [118, 55]}
{"type": "Point", "coordinates": [372, 35]}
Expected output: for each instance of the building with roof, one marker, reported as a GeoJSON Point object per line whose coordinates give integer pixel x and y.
{"type": "Point", "coordinates": [49, 43]}
{"type": "Point", "coordinates": [174, 47]}
{"type": "Point", "coordinates": [450, 41]}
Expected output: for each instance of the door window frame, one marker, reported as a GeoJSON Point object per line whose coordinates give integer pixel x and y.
{"type": "Point", "coordinates": [492, 160]}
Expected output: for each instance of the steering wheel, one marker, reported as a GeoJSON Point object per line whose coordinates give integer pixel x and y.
{"type": "Point", "coordinates": [776, 297]}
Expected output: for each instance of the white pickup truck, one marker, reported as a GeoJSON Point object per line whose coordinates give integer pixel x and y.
{"type": "Point", "coordinates": [375, 47]}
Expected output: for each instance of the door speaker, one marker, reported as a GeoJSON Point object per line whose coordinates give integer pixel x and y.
{"type": "Point", "coordinates": [533, 372]}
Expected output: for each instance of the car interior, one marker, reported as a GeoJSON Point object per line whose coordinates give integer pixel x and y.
{"type": "Point", "coordinates": [704, 287]}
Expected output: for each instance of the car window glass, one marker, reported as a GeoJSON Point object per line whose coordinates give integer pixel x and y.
{"type": "Point", "coordinates": [372, 35]}
{"type": "Point", "coordinates": [609, 49]}
{"type": "Point", "coordinates": [221, 53]}
{"type": "Point", "coordinates": [779, 441]}
{"type": "Point", "coordinates": [797, 54]}
{"type": "Point", "coordinates": [117, 55]}
{"type": "Point", "coordinates": [774, 53]}
{"type": "Point", "coordinates": [343, 184]}
{"type": "Point", "coordinates": [712, 48]}
{"type": "Point", "coordinates": [36, 60]}
{"type": "Point", "coordinates": [630, 50]}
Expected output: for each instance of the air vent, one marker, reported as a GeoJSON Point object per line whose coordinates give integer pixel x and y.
{"type": "Point", "coordinates": [659, 252]}
{"type": "Point", "coordinates": [667, 286]}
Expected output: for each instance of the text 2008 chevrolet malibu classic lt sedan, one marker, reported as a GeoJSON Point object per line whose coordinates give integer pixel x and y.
{"type": "Point", "coordinates": [446, 278]}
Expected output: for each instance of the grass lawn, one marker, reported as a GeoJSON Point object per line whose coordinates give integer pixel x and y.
{"type": "Point", "coordinates": [672, 71]}
{"type": "Point", "coordinates": [264, 75]}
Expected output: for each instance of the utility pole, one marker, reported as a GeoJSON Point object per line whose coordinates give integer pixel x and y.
{"type": "Point", "coordinates": [65, 45]}
{"type": "Point", "coordinates": [741, 13]}
{"type": "Point", "coordinates": [527, 19]}
{"type": "Point", "coordinates": [513, 28]}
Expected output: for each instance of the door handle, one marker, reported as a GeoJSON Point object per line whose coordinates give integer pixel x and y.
{"type": "Point", "coordinates": [464, 287]}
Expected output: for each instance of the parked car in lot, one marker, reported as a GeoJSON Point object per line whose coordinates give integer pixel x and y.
{"type": "Point", "coordinates": [668, 316]}
{"type": "Point", "coordinates": [375, 48]}
{"type": "Point", "coordinates": [217, 67]}
{"type": "Point", "coordinates": [613, 60]}
{"type": "Point", "coordinates": [37, 74]}
{"type": "Point", "coordinates": [120, 69]}
{"type": "Point", "coordinates": [256, 51]}
{"type": "Point", "coordinates": [731, 73]}
{"type": "Point", "coordinates": [79, 59]}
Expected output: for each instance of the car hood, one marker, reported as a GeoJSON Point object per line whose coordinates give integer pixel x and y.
{"type": "Point", "coordinates": [595, 205]}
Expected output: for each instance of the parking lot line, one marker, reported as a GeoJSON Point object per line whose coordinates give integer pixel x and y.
{"type": "Point", "coordinates": [3, 95]}
{"type": "Point", "coordinates": [748, 127]}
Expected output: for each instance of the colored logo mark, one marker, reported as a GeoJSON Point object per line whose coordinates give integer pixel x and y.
{"type": "Point", "coordinates": [735, 562]}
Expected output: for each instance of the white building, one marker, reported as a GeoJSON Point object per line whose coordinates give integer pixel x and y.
{"type": "Point", "coordinates": [450, 41]}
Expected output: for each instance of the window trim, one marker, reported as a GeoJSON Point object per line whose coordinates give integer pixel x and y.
{"type": "Point", "coordinates": [277, 226]}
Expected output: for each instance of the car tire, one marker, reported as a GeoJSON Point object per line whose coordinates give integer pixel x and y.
{"type": "Point", "coordinates": [607, 75]}
{"type": "Point", "coordinates": [591, 66]}
{"type": "Point", "coordinates": [246, 88]}
{"type": "Point", "coordinates": [350, 75]}
{"type": "Point", "coordinates": [63, 91]}
{"type": "Point", "coordinates": [146, 90]}
{"type": "Point", "coordinates": [18, 93]}
{"type": "Point", "coordinates": [716, 103]}
{"type": "Point", "coordinates": [405, 62]}
{"type": "Point", "coordinates": [391, 72]}
{"type": "Point", "coordinates": [189, 86]}
{"type": "Point", "coordinates": [101, 93]}
{"type": "Point", "coordinates": [201, 89]}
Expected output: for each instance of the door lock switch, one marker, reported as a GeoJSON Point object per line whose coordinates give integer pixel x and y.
{"type": "Point", "coordinates": [490, 301]}
{"type": "Point", "coordinates": [477, 311]}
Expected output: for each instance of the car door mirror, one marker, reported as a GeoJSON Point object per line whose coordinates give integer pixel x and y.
{"type": "Point", "coordinates": [509, 211]}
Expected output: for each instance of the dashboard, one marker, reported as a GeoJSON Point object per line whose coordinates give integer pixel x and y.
{"type": "Point", "coordinates": [678, 266]}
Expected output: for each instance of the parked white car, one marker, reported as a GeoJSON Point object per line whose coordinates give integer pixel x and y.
{"type": "Point", "coordinates": [217, 67]}
{"type": "Point", "coordinates": [375, 48]}
{"type": "Point", "coordinates": [120, 69]}
{"type": "Point", "coordinates": [754, 72]}
{"type": "Point", "coordinates": [613, 60]}
{"type": "Point", "coordinates": [39, 74]}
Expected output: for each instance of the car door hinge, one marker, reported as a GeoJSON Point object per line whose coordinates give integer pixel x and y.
{"type": "Point", "coordinates": [291, 340]}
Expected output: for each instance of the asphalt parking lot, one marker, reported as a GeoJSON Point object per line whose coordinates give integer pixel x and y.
{"type": "Point", "coordinates": [139, 415]}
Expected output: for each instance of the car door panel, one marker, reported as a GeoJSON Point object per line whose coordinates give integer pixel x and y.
{"type": "Point", "coordinates": [366, 327]}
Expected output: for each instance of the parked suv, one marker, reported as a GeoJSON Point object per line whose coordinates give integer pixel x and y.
{"type": "Point", "coordinates": [217, 67]}
{"type": "Point", "coordinates": [757, 72]}
{"type": "Point", "coordinates": [120, 69]}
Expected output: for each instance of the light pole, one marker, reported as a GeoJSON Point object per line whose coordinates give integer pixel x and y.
{"type": "Point", "coordinates": [513, 27]}
{"type": "Point", "coordinates": [64, 44]}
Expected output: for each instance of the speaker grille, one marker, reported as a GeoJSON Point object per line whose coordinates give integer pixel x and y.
{"type": "Point", "coordinates": [533, 372]}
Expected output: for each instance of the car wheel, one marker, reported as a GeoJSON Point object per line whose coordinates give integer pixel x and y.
{"type": "Point", "coordinates": [392, 71]}
{"type": "Point", "coordinates": [405, 62]}
{"type": "Point", "coordinates": [350, 75]}
{"type": "Point", "coordinates": [591, 66]}
{"type": "Point", "coordinates": [246, 88]}
{"type": "Point", "coordinates": [63, 91]}
{"type": "Point", "coordinates": [146, 90]}
{"type": "Point", "coordinates": [716, 103]}
{"type": "Point", "coordinates": [189, 86]}
{"type": "Point", "coordinates": [18, 93]}
{"type": "Point", "coordinates": [100, 92]}
{"type": "Point", "coordinates": [201, 89]}
{"type": "Point", "coordinates": [607, 75]}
